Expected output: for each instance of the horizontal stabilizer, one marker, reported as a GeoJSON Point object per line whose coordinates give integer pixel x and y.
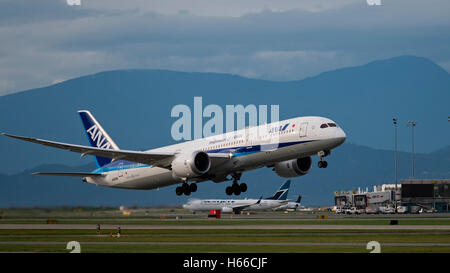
{"type": "Point", "coordinates": [71, 174]}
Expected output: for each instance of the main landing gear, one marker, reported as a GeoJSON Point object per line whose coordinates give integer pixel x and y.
{"type": "Point", "coordinates": [322, 163]}
{"type": "Point", "coordinates": [236, 188]}
{"type": "Point", "coordinates": [186, 188]}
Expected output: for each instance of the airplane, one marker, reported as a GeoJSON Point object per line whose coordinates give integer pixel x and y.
{"type": "Point", "coordinates": [285, 146]}
{"type": "Point", "coordinates": [293, 206]}
{"type": "Point", "coordinates": [238, 205]}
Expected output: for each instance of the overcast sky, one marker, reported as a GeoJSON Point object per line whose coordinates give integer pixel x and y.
{"type": "Point", "coordinates": [48, 41]}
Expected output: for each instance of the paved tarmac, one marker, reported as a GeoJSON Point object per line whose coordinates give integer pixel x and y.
{"type": "Point", "coordinates": [262, 227]}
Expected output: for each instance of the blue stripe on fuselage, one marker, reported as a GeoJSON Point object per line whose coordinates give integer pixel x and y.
{"type": "Point", "coordinates": [120, 165]}
{"type": "Point", "coordinates": [245, 150]}
{"type": "Point", "coordinates": [236, 151]}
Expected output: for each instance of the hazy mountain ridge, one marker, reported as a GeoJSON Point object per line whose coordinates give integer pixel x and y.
{"type": "Point", "coordinates": [134, 106]}
{"type": "Point", "coordinates": [350, 166]}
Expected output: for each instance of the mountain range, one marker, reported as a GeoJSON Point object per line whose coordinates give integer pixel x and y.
{"type": "Point", "coordinates": [134, 106]}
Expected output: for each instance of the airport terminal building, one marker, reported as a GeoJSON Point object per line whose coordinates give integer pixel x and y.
{"type": "Point", "coordinates": [427, 193]}
{"type": "Point", "coordinates": [382, 195]}
{"type": "Point", "coordinates": [414, 194]}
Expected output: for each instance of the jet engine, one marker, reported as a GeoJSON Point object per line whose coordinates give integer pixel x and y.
{"type": "Point", "coordinates": [294, 167]}
{"type": "Point", "coordinates": [191, 165]}
{"type": "Point", "coordinates": [227, 210]}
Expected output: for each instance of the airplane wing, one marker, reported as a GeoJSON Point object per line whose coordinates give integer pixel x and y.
{"type": "Point", "coordinates": [239, 208]}
{"type": "Point", "coordinates": [160, 159]}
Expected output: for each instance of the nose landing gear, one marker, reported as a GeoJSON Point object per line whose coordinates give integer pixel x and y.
{"type": "Point", "coordinates": [322, 163]}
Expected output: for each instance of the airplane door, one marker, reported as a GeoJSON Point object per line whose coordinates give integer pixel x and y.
{"type": "Point", "coordinates": [248, 138]}
{"type": "Point", "coordinates": [120, 171]}
{"type": "Point", "coordinates": [302, 129]}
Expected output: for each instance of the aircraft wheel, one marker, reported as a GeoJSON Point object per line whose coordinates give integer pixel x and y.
{"type": "Point", "coordinates": [229, 190]}
{"type": "Point", "coordinates": [193, 187]}
{"type": "Point", "coordinates": [243, 187]}
{"type": "Point", "coordinates": [186, 189]}
{"type": "Point", "coordinates": [179, 191]}
{"type": "Point", "coordinates": [320, 164]}
{"type": "Point", "coordinates": [236, 189]}
{"type": "Point", "coordinates": [325, 164]}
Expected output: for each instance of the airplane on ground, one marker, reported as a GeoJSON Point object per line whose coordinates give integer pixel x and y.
{"type": "Point", "coordinates": [285, 146]}
{"type": "Point", "coordinates": [238, 205]}
{"type": "Point", "coordinates": [293, 206]}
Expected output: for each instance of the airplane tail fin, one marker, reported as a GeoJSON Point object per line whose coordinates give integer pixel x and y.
{"type": "Point", "coordinates": [282, 192]}
{"type": "Point", "coordinates": [97, 136]}
{"type": "Point", "coordinates": [299, 199]}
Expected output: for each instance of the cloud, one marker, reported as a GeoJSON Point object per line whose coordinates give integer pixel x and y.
{"type": "Point", "coordinates": [218, 8]}
{"type": "Point", "coordinates": [25, 11]}
{"type": "Point", "coordinates": [44, 41]}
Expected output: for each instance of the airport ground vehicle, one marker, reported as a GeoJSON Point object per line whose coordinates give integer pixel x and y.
{"type": "Point", "coordinates": [372, 210]}
{"type": "Point", "coordinates": [341, 210]}
{"type": "Point", "coordinates": [387, 209]}
{"type": "Point", "coordinates": [402, 209]}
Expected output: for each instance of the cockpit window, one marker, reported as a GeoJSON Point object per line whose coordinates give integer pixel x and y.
{"type": "Point", "coordinates": [324, 125]}
{"type": "Point", "coordinates": [332, 124]}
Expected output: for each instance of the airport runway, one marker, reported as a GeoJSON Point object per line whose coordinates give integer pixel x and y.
{"type": "Point", "coordinates": [200, 227]}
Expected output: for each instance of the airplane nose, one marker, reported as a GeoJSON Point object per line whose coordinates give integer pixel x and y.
{"type": "Point", "coordinates": [341, 136]}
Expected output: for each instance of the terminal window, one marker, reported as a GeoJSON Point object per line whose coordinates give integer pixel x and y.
{"type": "Point", "coordinates": [417, 190]}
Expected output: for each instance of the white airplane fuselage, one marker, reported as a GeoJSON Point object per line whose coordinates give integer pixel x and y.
{"type": "Point", "coordinates": [249, 149]}
{"type": "Point", "coordinates": [291, 206]}
{"type": "Point", "coordinates": [223, 204]}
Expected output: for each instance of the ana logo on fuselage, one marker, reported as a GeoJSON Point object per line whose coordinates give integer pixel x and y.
{"type": "Point", "coordinates": [98, 138]}
{"type": "Point", "coordinates": [278, 128]}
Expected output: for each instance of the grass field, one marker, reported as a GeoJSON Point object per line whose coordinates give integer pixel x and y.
{"type": "Point", "coordinates": [188, 240]}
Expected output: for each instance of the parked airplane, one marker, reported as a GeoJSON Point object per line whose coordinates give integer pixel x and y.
{"type": "Point", "coordinates": [293, 206]}
{"type": "Point", "coordinates": [285, 146]}
{"type": "Point", "coordinates": [237, 205]}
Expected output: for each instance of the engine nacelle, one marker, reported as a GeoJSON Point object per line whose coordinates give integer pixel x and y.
{"type": "Point", "coordinates": [227, 210]}
{"type": "Point", "coordinates": [294, 167]}
{"type": "Point", "coordinates": [191, 165]}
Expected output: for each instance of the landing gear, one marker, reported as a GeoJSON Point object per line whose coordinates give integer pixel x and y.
{"type": "Point", "coordinates": [179, 191]}
{"type": "Point", "coordinates": [236, 188]}
{"type": "Point", "coordinates": [322, 163]}
{"type": "Point", "coordinates": [186, 189]}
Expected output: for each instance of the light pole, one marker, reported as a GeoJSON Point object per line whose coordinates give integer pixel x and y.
{"type": "Point", "coordinates": [412, 124]}
{"type": "Point", "coordinates": [395, 161]}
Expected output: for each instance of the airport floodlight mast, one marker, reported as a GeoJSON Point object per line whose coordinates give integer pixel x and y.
{"type": "Point", "coordinates": [395, 161]}
{"type": "Point", "coordinates": [412, 124]}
